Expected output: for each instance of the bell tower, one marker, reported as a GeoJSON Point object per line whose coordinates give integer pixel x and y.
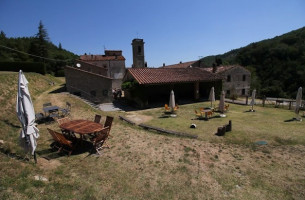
{"type": "Point", "coordinates": [138, 53]}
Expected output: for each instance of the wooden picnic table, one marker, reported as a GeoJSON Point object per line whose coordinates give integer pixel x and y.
{"type": "Point", "coordinates": [82, 126]}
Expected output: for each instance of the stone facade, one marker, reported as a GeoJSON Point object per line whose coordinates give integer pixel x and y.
{"type": "Point", "coordinates": [94, 76]}
{"type": "Point", "coordinates": [237, 80]}
{"type": "Point", "coordinates": [91, 86]}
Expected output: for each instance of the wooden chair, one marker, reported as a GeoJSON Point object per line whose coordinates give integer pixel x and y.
{"type": "Point", "coordinates": [97, 118]}
{"type": "Point", "coordinates": [57, 143]}
{"type": "Point", "coordinates": [67, 133]}
{"type": "Point", "coordinates": [63, 120]}
{"type": "Point", "coordinates": [198, 114]}
{"type": "Point", "coordinates": [227, 107]}
{"type": "Point", "coordinates": [176, 107]}
{"type": "Point", "coordinates": [210, 113]}
{"type": "Point", "coordinates": [166, 107]}
{"type": "Point", "coordinates": [66, 145]}
{"type": "Point", "coordinates": [100, 139]}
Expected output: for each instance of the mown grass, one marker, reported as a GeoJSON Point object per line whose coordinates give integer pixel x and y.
{"type": "Point", "coordinates": [144, 165]}
{"type": "Point", "coordinates": [269, 124]}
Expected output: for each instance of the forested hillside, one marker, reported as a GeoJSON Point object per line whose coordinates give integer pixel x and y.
{"type": "Point", "coordinates": [38, 48]}
{"type": "Point", "coordinates": [277, 64]}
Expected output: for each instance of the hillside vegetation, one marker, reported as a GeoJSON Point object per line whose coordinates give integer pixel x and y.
{"type": "Point", "coordinates": [38, 45]}
{"type": "Point", "coordinates": [277, 64]}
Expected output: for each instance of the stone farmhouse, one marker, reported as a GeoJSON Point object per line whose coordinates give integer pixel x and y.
{"type": "Point", "coordinates": [94, 76]}
{"type": "Point", "coordinates": [236, 79]}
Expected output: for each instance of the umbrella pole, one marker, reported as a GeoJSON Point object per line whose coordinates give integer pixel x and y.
{"type": "Point", "coordinates": [35, 158]}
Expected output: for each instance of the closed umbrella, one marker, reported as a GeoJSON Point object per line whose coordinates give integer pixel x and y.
{"type": "Point", "coordinates": [26, 116]}
{"type": "Point", "coordinates": [298, 103]}
{"type": "Point", "coordinates": [172, 100]}
{"type": "Point", "coordinates": [222, 102]}
{"type": "Point", "coordinates": [212, 96]}
{"type": "Point", "coordinates": [253, 99]}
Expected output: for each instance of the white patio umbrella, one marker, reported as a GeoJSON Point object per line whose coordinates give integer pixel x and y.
{"type": "Point", "coordinates": [298, 103]}
{"type": "Point", "coordinates": [222, 102]}
{"type": "Point", "coordinates": [212, 96]}
{"type": "Point", "coordinates": [253, 99]}
{"type": "Point", "coordinates": [172, 100]}
{"type": "Point", "coordinates": [26, 116]}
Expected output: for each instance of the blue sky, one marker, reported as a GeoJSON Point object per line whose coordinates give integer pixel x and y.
{"type": "Point", "coordinates": [173, 30]}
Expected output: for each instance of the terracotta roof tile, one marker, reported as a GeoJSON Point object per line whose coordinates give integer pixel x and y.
{"type": "Point", "coordinates": [100, 58]}
{"type": "Point", "coordinates": [171, 75]}
{"type": "Point", "coordinates": [180, 65]}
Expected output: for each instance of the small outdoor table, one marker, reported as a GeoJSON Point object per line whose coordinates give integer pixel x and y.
{"type": "Point", "coordinates": [205, 111]}
{"type": "Point", "coordinates": [81, 127]}
{"type": "Point", "coordinates": [50, 109]}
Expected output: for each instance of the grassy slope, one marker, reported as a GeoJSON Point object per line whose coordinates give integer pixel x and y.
{"type": "Point", "coordinates": [143, 165]}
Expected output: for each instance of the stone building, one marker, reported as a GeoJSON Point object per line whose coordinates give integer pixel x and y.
{"type": "Point", "coordinates": [147, 86]}
{"type": "Point", "coordinates": [236, 79]}
{"type": "Point", "coordinates": [94, 76]}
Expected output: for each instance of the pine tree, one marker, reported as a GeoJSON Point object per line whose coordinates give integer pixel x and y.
{"type": "Point", "coordinates": [59, 46]}
{"type": "Point", "coordinates": [39, 46]}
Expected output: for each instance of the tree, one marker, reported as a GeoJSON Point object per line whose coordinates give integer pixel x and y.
{"type": "Point", "coordinates": [39, 46]}
{"type": "Point", "coordinates": [59, 46]}
{"type": "Point", "coordinates": [2, 35]}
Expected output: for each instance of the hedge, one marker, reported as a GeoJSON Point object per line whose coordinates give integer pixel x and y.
{"type": "Point", "coordinates": [37, 67]}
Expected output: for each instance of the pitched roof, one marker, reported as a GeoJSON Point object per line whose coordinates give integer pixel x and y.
{"type": "Point", "coordinates": [221, 68]}
{"type": "Point", "coordinates": [171, 75]}
{"type": "Point", "coordinates": [100, 58]}
{"type": "Point", "coordinates": [180, 65]}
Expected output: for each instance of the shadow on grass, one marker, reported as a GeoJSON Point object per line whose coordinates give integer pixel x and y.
{"type": "Point", "coordinates": [59, 90]}
{"type": "Point", "coordinates": [249, 111]}
{"type": "Point", "coordinates": [49, 154]}
{"type": "Point", "coordinates": [11, 124]}
{"type": "Point", "coordinates": [292, 120]}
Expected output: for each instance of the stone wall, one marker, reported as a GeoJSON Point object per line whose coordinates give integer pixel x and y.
{"type": "Point", "coordinates": [93, 87]}
{"type": "Point", "coordinates": [237, 81]}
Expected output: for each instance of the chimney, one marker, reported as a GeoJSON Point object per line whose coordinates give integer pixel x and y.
{"type": "Point", "coordinates": [163, 64]}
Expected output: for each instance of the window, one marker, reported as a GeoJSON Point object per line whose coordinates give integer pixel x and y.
{"type": "Point", "coordinates": [243, 91]}
{"type": "Point", "coordinates": [244, 77]}
{"type": "Point", "coordinates": [228, 92]}
{"type": "Point", "coordinates": [229, 78]}
{"type": "Point", "coordinates": [139, 49]}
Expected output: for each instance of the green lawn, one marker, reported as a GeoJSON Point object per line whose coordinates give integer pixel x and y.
{"type": "Point", "coordinates": [267, 124]}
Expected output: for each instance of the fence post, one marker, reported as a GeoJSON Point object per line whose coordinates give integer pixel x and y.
{"type": "Point", "coordinates": [230, 125]}
{"type": "Point", "coordinates": [264, 99]}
